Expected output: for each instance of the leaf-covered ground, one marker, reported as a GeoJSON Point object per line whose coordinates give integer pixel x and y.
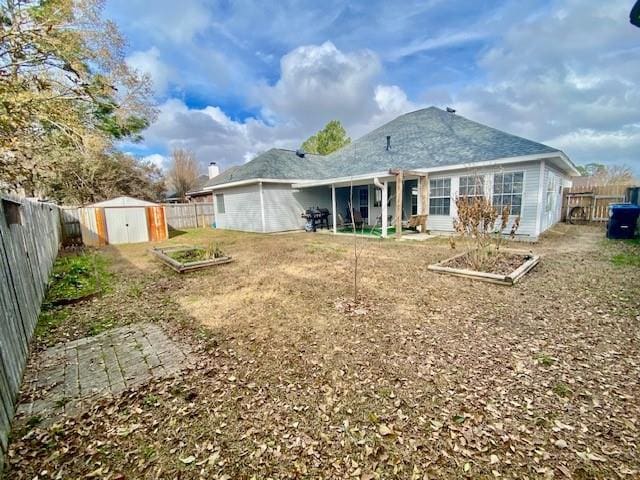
{"type": "Point", "coordinates": [428, 376]}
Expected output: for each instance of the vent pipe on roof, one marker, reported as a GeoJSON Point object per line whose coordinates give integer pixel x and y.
{"type": "Point", "coordinates": [214, 170]}
{"type": "Point", "coordinates": [388, 142]}
{"type": "Point", "coordinates": [451, 110]}
{"type": "Point", "coordinates": [300, 153]}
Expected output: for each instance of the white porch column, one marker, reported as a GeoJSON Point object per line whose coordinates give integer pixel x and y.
{"type": "Point", "coordinates": [385, 214]}
{"type": "Point", "coordinates": [333, 206]}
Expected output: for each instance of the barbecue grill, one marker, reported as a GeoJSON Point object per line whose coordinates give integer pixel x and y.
{"type": "Point", "coordinates": [316, 218]}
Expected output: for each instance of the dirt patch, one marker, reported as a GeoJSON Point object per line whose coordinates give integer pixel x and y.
{"type": "Point", "coordinates": [501, 264]}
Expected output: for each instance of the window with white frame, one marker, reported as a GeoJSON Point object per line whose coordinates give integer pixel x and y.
{"type": "Point", "coordinates": [551, 190]}
{"type": "Point", "coordinates": [471, 186]}
{"type": "Point", "coordinates": [220, 202]}
{"type": "Point", "coordinates": [440, 196]}
{"type": "Point", "coordinates": [507, 191]}
{"type": "Point", "coordinates": [414, 200]}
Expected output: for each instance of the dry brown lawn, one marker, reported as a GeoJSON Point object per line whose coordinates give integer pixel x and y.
{"type": "Point", "coordinates": [428, 377]}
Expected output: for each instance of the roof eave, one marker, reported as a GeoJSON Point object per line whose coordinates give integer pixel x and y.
{"type": "Point", "coordinates": [250, 181]}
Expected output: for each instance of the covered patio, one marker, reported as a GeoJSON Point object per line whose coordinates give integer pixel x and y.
{"type": "Point", "coordinates": [384, 204]}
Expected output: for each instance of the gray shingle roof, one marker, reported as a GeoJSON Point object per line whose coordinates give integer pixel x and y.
{"type": "Point", "coordinates": [425, 138]}
{"type": "Point", "coordinates": [276, 163]}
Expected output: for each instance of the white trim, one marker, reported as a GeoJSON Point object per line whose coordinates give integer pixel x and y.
{"type": "Point", "coordinates": [250, 181]}
{"type": "Point", "coordinates": [334, 207]}
{"type": "Point", "coordinates": [262, 207]}
{"type": "Point", "coordinates": [385, 209]}
{"type": "Point", "coordinates": [344, 180]}
{"type": "Point", "coordinates": [541, 191]}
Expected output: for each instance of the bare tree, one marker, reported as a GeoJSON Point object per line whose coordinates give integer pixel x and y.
{"type": "Point", "coordinates": [184, 171]}
{"type": "Point", "coordinates": [357, 251]}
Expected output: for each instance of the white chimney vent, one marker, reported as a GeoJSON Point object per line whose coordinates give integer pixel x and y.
{"type": "Point", "coordinates": [214, 170]}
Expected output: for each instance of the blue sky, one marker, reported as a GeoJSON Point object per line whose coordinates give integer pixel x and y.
{"type": "Point", "coordinates": [234, 78]}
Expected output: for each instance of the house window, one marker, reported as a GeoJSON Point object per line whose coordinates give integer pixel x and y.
{"type": "Point", "coordinates": [440, 196]}
{"type": "Point", "coordinates": [471, 186]}
{"type": "Point", "coordinates": [363, 197]}
{"type": "Point", "coordinates": [507, 192]}
{"type": "Point", "coordinates": [414, 200]}
{"type": "Point", "coordinates": [551, 189]}
{"type": "Point", "coordinates": [220, 202]}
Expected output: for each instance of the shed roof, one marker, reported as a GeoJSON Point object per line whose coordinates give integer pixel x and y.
{"type": "Point", "coordinates": [425, 138]}
{"type": "Point", "coordinates": [123, 201]}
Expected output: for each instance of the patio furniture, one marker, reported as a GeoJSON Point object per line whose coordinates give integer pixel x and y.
{"type": "Point", "coordinates": [357, 220]}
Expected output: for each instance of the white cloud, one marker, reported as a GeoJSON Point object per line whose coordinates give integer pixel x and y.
{"type": "Point", "coordinates": [178, 22]}
{"type": "Point", "coordinates": [317, 83]}
{"type": "Point", "coordinates": [566, 79]}
{"type": "Point", "coordinates": [149, 62]}
{"type": "Point", "coordinates": [158, 160]}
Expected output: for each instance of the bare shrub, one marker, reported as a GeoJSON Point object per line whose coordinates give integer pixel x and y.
{"type": "Point", "coordinates": [481, 229]}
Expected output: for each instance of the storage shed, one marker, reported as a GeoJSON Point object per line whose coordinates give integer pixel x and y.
{"type": "Point", "coordinates": [122, 220]}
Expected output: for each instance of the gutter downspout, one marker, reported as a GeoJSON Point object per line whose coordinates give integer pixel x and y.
{"type": "Point", "coordinates": [384, 214]}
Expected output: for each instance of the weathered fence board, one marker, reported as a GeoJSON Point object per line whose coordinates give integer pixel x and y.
{"type": "Point", "coordinates": [594, 199]}
{"type": "Point", "coordinates": [70, 219]}
{"type": "Point", "coordinates": [30, 235]}
{"type": "Point", "coordinates": [189, 215]}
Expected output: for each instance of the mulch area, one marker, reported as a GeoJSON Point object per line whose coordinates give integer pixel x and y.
{"type": "Point", "coordinates": [427, 376]}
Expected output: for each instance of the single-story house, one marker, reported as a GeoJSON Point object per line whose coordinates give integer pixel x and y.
{"type": "Point", "coordinates": [418, 163]}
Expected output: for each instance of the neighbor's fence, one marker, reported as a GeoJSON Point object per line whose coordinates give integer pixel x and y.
{"type": "Point", "coordinates": [30, 234]}
{"type": "Point", "coordinates": [594, 199]}
{"type": "Point", "coordinates": [189, 215]}
{"type": "Point", "coordinates": [70, 220]}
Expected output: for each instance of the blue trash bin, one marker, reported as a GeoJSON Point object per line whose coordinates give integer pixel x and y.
{"type": "Point", "coordinates": [623, 220]}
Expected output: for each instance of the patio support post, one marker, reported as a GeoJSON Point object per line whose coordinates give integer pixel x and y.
{"type": "Point", "coordinates": [333, 206]}
{"type": "Point", "coordinates": [424, 198]}
{"type": "Point", "coordinates": [399, 182]}
{"type": "Point", "coordinates": [385, 209]}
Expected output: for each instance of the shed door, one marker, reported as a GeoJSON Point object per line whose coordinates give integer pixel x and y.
{"type": "Point", "coordinates": [126, 225]}
{"type": "Point", "coordinates": [137, 225]}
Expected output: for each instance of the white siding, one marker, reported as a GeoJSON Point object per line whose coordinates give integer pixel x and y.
{"type": "Point", "coordinates": [242, 209]}
{"type": "Point", "coordinates": [528, 216]}
{"type": "Point", "coordinates": [283, 205]}
{"type": "Point", "coordinates": [550, 211]}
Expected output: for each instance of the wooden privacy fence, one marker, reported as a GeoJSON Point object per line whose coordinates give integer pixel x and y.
{"type": "Point", "coordinates": [30, 234]}
{"type": "Point", "coordinates": [594, 200]}
{"type": "Point", "coordinates": [70, 220]}
{"type": "Point", "coordinates": [189, 215]}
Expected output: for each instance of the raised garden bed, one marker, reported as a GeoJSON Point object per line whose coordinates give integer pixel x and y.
{"type": "Point", "coordinates": [186, 259]}
{"type": "Point", "coordinates": [509, 268]}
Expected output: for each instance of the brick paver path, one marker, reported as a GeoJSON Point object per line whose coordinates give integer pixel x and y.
{"type": "Point", "coordinates": [67, 377]}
